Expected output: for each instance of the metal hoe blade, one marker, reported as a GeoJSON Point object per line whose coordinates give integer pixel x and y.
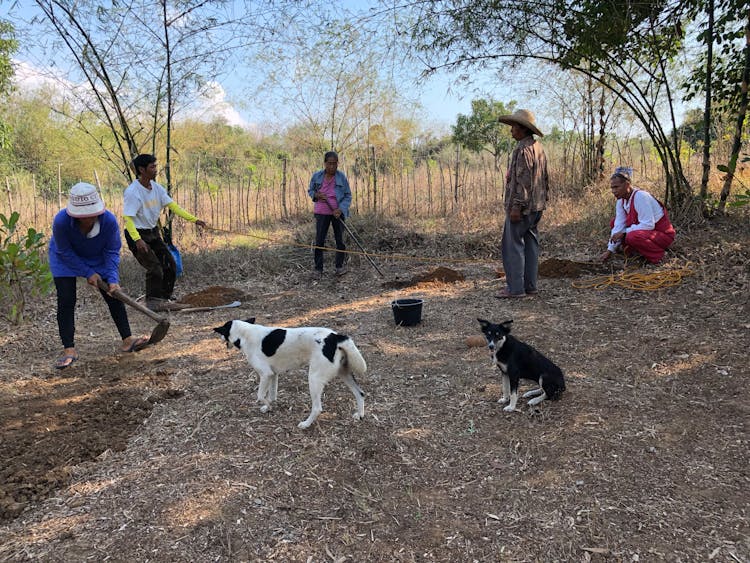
{"type": "Point", "coordinates": [160, 330]}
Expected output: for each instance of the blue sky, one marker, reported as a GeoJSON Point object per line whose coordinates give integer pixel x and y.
{"type": "Point", "coordinates": [440, 98]}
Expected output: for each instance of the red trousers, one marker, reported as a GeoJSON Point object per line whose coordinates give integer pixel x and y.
{"type": "Point", "coordinates": [649, 244]}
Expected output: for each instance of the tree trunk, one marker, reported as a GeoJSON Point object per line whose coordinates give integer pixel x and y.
{"type": "Point", "coordinates": [442, 189]}
{"type": "Point", "coordinates": [374, 182]}
{"type": "Point", "coordinates": [600, 141]}
{"type": "Point", "coordinates": [429, 187]}
{"type": "Point", "coordinates": [10, 196]}
{"type": "Point", "coordinates": [741, 114]}
{"type": "Point", "coordinates": [195, 190]}
{"type": "Point", "coordinates": [247, 198]}
{"type": "Point", "coordinates": [589, 148]}
{"type": "Point", "coordinates": [34, 198]}
{"type": "Point", "coordinates": [707, 109]}
{"type": "Point", "coordinates": [229, 204]}
{"type": "Point", "coordinates": [284, 210]}
{"type": "Point", "coordinates": [458, 164]}
{"type": "Point", "coordinates": [170, 112]}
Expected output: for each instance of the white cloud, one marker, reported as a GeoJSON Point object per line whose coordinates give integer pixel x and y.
{"type": "Point", "coordinates": [212, 104]}
{"type": "Point", "coordinates": [29, 78]}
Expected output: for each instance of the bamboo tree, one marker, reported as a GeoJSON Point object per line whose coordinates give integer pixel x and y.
{"type": "Point", "coordinates": [720, 75]}
{"type": "Point", "coordinates": [709, 41]}
{"type": "Point", "coordinates": [624, 47]}
{"type": "Point", "coordinates": [92, 61]}
{"type": "Point", "coordinates": [138, 74]}
{"type": "Point", "coordinates": [8, 46]}
{"type": "Point", "coordinates": [741, 115]}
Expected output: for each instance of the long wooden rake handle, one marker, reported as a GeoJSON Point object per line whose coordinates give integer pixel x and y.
{"type": "Point", "coordinates": [119, 295]}
{"type": "Point", "coordinates": [356, 241]}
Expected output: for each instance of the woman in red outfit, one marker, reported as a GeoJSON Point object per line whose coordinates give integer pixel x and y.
{"type": "Point", "coordinates": [641, 224]}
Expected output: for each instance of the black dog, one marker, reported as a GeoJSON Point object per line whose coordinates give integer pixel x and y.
{"type": "Point", "coordinates": [517, 361]}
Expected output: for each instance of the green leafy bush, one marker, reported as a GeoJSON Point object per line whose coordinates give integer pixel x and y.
{"type": "Point", "coordinates": [23, 270]}
{"type": "Point", "coordinates": [740, 199]}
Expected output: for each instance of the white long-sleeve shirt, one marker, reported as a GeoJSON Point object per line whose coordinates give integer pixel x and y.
{"type": "Point", "coordinates": [649, 212]}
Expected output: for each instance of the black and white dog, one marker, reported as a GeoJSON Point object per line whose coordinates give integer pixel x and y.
{"type": "Point", "coordinates": [517, 361]}
{"type": "Point", "coordinates": [271, 350]}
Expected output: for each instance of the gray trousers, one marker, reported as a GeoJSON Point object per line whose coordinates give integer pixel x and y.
{"type": "Point", "coordinates": [520, 249]}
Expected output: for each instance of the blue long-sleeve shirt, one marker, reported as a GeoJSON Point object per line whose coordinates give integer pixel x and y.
{"type": "Point", "coordinates": [72, 254]}
{"type": "Point", "coordinates": [343, 191]}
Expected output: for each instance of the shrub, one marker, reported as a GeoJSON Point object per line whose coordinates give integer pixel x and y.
{"type": "Point", "coordinates": [23, 271]}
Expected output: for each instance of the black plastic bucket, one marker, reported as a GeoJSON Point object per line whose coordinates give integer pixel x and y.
{"type": "Point", "coordinates": [407, 312]}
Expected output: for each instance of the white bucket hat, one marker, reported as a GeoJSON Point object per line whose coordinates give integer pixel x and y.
{"type": "Point", "coordinates": [84, 201]}
{"type": "Point", "coordinates": [522, 117]}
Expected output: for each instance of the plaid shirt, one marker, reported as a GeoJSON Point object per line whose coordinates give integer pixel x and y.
{"type": "Point", "coordinates": [527, 182]}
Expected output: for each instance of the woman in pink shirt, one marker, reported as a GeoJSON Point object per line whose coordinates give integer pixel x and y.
{"type": "Point", "coordinates": [331, 194]}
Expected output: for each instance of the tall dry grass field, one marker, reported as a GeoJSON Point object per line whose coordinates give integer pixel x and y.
{"type": "Point", "coordinates": [456, 194]}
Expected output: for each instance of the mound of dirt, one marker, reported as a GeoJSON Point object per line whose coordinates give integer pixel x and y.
{"type": "Point", "coordinates": [476, 341]}
{"type": "Point", "coordinates": [441, 274]}
{"type": "Point", "coordinates": [438, 275]}
{"type": "Point", "coordinates": [213, 296]}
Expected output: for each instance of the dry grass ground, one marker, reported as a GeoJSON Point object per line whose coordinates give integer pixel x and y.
{"type": "Point", "coordinates": [164, 456]}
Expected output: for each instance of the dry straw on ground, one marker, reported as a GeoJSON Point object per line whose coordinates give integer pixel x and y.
{"type": "Point", "coordinates": [163, 455]}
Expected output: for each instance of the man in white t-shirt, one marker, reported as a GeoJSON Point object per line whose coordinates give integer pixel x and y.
{"type": "Point", "coordinates": [144, 200]}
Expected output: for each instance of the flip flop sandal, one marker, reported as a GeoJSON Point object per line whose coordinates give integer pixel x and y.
{"type": "Point", "coordinates": [137, 345]}
{"type": "Point", "coordinates": [505, 295]}
{"type": "Point", "coordinates": [65, 361]}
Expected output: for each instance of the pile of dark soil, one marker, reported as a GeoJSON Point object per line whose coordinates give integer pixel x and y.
{"type": "Point", "coordinates": [438, 275]}
{"type": "Point", "coordinates": [561, 268]}
{"type": "Point", "coordinates": [213, 297]}
{"type": "Point", "coordinates": [441, 274]}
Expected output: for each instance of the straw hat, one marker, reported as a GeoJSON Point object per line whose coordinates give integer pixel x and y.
{"type": "Point", "coordinates": [522, 117]}
{"type": "Point", "coordinates": [84, 201]}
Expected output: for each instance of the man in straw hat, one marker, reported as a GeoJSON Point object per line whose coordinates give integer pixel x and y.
{"type": "Point", "coordinates": [86, 243]}
{"type": "Point", "coordinates": [526, 187]}
{"type": "Point", "coordinates": [641, 225]}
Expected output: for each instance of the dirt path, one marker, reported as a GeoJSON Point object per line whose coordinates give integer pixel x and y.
{"type": "Point", "coordinates": [163, 455]}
